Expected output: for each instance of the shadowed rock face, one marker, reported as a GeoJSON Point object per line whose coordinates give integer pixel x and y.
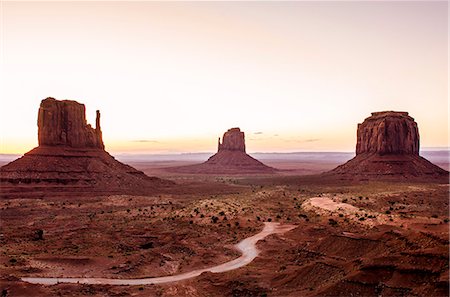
{"type": "Point", "coordinates": [64, 123]}
{"type": "Point", "coordinates": [233, 140]}
{"type": "Point", "coordinates": [388, 147]}
{"type": "Point", "coordinates": [388, 132]}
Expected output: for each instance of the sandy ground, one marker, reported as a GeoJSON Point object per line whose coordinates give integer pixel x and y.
{"type": "Point", "coordinates": [367, 238]}
{"type": "Point", "coordinates": [247, 247]}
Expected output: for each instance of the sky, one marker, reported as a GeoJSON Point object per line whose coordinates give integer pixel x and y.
{"type": "Point", "coordinates": [172, 77]}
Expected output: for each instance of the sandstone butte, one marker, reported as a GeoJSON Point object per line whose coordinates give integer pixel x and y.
{"type": "Point", "coordinates": [71, 156]}
{"type": "Point", "coordinates": [231, 158]}
{"type": "Point", "coordinates": [388, 147]}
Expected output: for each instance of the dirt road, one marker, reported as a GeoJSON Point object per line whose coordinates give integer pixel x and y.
{"type": "Point", "coordinates": [247, 247]}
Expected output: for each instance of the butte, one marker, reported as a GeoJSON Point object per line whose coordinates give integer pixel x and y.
{"type": "Point", "coordinates": [71, 157]}
{"type": "Point", "coordinates": [388, 148]}
{"type": "Point", "coordinates": [230, 158]}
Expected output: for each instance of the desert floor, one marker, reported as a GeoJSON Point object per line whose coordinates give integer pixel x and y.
{"type": "Point", "coordinates": [352, 238]}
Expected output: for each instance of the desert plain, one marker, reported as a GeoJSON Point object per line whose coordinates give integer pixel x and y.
{"type": "Point", "coordinates": [352, 238]}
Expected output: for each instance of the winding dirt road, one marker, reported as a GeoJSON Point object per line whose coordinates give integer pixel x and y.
{"type": "Point", "coordinates": [247, 247]}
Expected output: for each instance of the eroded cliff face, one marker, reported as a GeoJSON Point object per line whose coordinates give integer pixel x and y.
{"type": "Point", "coordinates": [71, 157]}
{"type": "Point", "coordinates": [388, 148]}
{"type": "Point", "coordinates": [388, 132]}
{"type": "Point", "coordinates": [232, 140]}
{"type": "Point", "coordinates": [63, 123]}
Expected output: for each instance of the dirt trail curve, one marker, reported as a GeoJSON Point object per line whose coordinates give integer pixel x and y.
{"type": "Point", "coordinates": [247, 247]}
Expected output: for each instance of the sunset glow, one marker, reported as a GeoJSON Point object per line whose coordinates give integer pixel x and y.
{"type": "Point", "coordinates": [171, 77]}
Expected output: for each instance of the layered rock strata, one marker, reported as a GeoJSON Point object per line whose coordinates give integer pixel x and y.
{"type": "Point", "coordinates": [71, 157]}
{"type": "Point", "coordinates": [388, 147]}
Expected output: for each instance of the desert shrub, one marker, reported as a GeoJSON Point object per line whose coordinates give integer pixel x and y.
{"type": "Point", "coordinates": [269, 220]}
{"type": "Point", "coordinates": [332, 222]}
{"type": "Point", "coordinates": [387, 212]}
{"type": "Point", "coordinates": [39, 234]}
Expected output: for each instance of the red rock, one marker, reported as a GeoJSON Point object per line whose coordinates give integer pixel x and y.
{"type": "Point", "coordinates": [233, 140]}
{"type": "Point", "coordinates": [64, 123]}
{"type": "Point", "coordinates": [388, 132]}
{"type": "Point", "coordinates": [388, 147]}
{"type": "Point", "coordinates": [71, 157]}
{"type": "Point", "coordinates": [230, 158]}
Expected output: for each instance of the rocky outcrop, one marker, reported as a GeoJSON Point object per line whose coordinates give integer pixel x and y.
{"type": "Point", "coordinates": [71, 157]}
{"type": "Point", "coordinates": [388, 132]}
{"type": "Point", "coordinates": [230, 158]}
{"type": "Point", "coordinates": [233, 140]}
{"type": "Point", "coordinates": [388, 148]}
{"type": "Point", "coordinates": [64, 123]}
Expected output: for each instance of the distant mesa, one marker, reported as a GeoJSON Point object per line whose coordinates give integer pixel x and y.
{"type": "Point", "coordinates": [388, 147]}
{"type": "Point", "coordinates": [230, 158]}
{"type": "Point", "coordinates": [233, 140]}
{"type": "Point", "coordinates": [71, 155]}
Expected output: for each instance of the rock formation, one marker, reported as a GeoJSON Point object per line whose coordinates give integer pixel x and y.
{"type": "Point", "coordinates": [71, 156]}
{"type": "Point", "coordinates": [233, 140]}
{"type": "Point", "coordinates": [230, 158]}
{"type": "Point", "coordinates": [388, 132]}
{"type": "Point", "coordinates": [64, 123]}
{"type": "Point", "coordinates": [388, 147]}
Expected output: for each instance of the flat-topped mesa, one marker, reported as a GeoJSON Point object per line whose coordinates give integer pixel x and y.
{"type": "Point", "coordinates": [63, 123]}
{"type": "Point", "coordinates": [388, 133]}
{"type": "Point", "coordinates": [232, 140]}
{"type": "Point", "coordinates": [388, 148]}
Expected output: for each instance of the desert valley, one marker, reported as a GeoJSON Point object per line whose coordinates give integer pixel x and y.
{"type": "Point", "coordinates": [224, 148]}
{"type": "Point", "coordinates": [77, 222]}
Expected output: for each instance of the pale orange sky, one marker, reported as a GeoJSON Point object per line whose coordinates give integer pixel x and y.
{"type": "Point", "coordinates": [173, 76]}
